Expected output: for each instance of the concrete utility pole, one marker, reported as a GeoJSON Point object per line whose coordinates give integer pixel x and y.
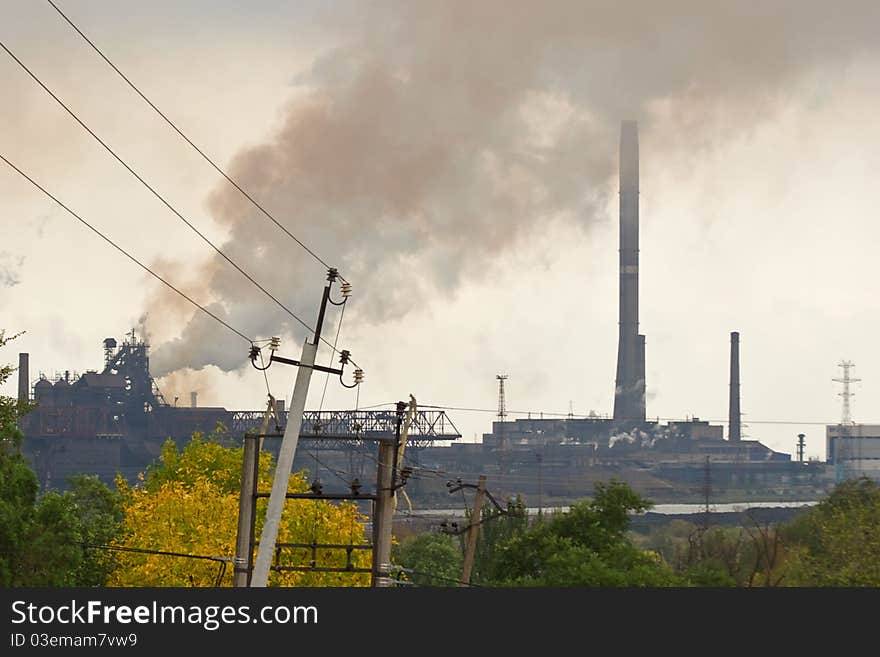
{"type": "Point", "coordinates": [473, 531]}
{"type": "Point", "coordinates": [283, 467]}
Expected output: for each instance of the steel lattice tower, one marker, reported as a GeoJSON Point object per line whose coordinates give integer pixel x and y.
{"type": "Point", "coordinates": [842, 452]}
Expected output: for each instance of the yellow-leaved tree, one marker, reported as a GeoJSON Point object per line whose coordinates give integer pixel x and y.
{"type": "Point", "coordinates": [188, 504]}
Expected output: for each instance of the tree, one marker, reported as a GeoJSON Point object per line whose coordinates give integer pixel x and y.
{"type": "Point", "coordinates": [434, 558]}
{"type": "Point", "coordinates": [586, 546]}
{"type": "Point", "coordinates": [495, 530]}
{"type": "Point", "coordinates": [42, 536]}
{"type": "Point", "coordinates": [837, 542]}
{"type": "Point", "coordinates": [188, 504]}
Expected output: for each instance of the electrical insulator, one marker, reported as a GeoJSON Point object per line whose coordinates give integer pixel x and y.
{"type": "Point", "coordinates": [358, 376]}
{"type": "Point", "coordinates": [274, 343]}
{"type": "Point", "coordinates": [255, 351]}
{"type": "Point", "coordinates": [344, 356]}
{"type": "Point", "coordinates": [332, 274]}
{"type": "Point", "coordinates": [356, 487]}
{"type": "Point", "coordinates": [316, 487]}
{"type": "Point", "coordinates": [346, 290]}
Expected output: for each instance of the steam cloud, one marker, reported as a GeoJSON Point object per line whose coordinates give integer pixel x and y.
{"type": "Point", "coordinates": [441, 133]}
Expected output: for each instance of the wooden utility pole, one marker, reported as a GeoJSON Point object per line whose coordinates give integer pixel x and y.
{"type": "Point", "coordinates": [247, 502]}
{"type": "Point", "coordinates": [473, 531]}
{"type": "Point", "coordinates": [383, 514]}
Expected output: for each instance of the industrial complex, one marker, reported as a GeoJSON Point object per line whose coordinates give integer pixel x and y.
{"type": "Point", "coordinates": [114, 420]}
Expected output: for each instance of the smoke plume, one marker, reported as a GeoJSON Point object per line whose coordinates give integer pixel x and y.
{"type": "Point", "coordinates": [438, 134]}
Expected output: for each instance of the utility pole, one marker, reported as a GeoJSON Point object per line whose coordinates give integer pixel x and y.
{"type": "Point", "coordinates": [283, 467]}
{"type": "Point", "coordinates": [707, 489]}
{"type": "Point", "coordinates": [473, 531]}
{"type": "Point", "coordinates": [502, 415]}
{"type": "Point", "coordinates": [383, 514]}
{"type": "Point", "coordinates": [247, 502]}
{"type": "Point", "coordinates": [540, 458]}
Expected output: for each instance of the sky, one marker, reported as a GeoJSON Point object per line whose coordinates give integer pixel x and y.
{"type": "Point", "coordinates": [457, 162]}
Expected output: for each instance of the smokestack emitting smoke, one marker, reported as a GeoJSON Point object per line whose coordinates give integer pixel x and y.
{"type": "Point", "coordinates": [629, 395]}
{"type": "Point", "coordinates": [23, 377]}
{"type": "Point", "coordinates": [433, 136]}
{"type": "Point", "coordinates": [734, 432]}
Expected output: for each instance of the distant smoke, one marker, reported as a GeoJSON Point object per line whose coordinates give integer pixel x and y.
{"type": "Point", "coordinates": [9, 269]}
{"type": "Point", "coordinates": [438, 134]}
{"type": "Point", "coordinates": [178, 386]}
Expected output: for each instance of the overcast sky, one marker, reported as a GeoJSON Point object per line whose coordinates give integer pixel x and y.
{"type": "Point", "coordinates": [457, 162]}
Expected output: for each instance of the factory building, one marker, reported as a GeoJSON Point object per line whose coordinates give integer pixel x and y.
{"type": "Point", "coordinates": [853, 450]}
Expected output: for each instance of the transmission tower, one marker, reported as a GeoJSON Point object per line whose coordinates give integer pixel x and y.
{"type": "Point", "coordinates": [502, 415]}
{"type": "Point", "coordinates": [843, 456]}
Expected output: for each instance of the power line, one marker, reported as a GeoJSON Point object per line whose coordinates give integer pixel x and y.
{"type": "Point", "coordinates": [210, 161]}
{"type": "Point", "coordinates": [162, 199]}
{"type": "Point", "coordinates": [123, 251]}
{"type": "Point", "coordinates": [153, 190]}
{"type": "Point", "coordinates": [164, 553]}
{"type": "Point", "coordinates": [433, 576]}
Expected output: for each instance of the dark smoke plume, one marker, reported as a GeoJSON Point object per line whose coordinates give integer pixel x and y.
{"type": "Point", "coordinates": [438, 134]}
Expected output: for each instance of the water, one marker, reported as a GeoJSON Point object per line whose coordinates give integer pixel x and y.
{"type": "Point", "coordinates": [672, 509]}
{"type": "Point", "coordinates": [666, 509]}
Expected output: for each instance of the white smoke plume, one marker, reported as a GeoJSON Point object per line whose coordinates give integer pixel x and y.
{"type": "Point", "coordinates": [438, 134]}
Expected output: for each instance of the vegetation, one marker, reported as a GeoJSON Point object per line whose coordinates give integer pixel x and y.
{"type": "Point", "coordinates": [837, 542]}
{"type": "Point", "coordinates": [43, 537]}
{"type": "Point", "coordinates": [188, 504]}
{"type": "Point", "coordinates": [431, 559]}
{"type": "Point", "coordinates": [587, 546]}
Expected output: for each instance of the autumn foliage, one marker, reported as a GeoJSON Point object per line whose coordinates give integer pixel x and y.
{"type": "Point", "coordinates": [188, 504]}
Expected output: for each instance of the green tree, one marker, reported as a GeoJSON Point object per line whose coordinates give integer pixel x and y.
{"type": "Point", "coordinates": [837, 542]}
{"type": "Point", "coordinates": [586, 546]}
{"type": "Point", "coordinates": [42, 536]}
{"type": "Point", "coordinates": [434, 558]}
{"type": "Point", "coordinates": [496, 529]}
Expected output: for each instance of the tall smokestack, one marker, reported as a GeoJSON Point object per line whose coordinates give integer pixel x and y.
{"type": "Point", "coordinates": [629, 400]}
{"type": "Point", "coordinates": [734, 432]}
{"type": "Point", "coordinates": [193, 398]}
{"type": "Point", "coordinates": [24, 377]}
{"type": "Point", "coordinates": [640, 378]}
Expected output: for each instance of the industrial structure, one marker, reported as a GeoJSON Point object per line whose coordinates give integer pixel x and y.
{"type": "Point", "coordinates": [629, 391]}
{"type": "Point", "coordinates": [115, 421]}
{"type": "Point", "coordinates": [563, 457]}
{"type": "Point", "coordinates": [853, 449]}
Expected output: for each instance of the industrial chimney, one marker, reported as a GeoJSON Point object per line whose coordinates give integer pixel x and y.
{"type": "Point", "coordinates": [193, 396]}
{"type": "Point", "coordinates": [734, 432]}
{"type": "Point", "coordinates": [629, 391]}
{"type": "Point", "coordinates": [23, 378]}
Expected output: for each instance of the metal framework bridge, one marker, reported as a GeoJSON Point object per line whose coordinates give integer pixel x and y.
{"type": "Point", "coordinates": [338, 429]}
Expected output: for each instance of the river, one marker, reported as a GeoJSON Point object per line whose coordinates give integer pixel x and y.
{"type": "Point", "coordinates": [666, 509]}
